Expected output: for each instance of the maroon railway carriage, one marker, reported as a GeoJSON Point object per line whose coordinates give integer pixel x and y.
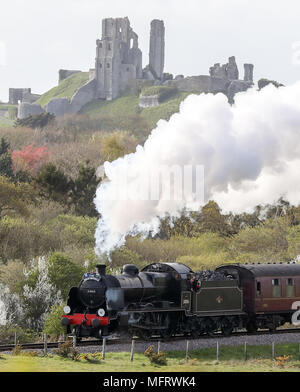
{"type": "Point", "coordinates": [269, 291]}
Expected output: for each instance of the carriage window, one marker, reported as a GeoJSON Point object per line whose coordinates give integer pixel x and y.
{"type": "Point", "coordinates": [258, 288]}
{"type": "Point", "coordinates": [276, 289]}
{"type": "Point", "coordinates": [290, 287]}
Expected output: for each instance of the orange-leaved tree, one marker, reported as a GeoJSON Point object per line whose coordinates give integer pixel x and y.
{"type": "Point", "coordinates": [29, 159]}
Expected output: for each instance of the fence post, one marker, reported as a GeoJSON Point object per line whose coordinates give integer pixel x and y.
{"type": "Point", "coordinates": [45, 344]}
{"type": "Point", "coordinates": [16, 341]}
{"type": "Point", "coordinates": [218, 351]}
{"type": "Point", "coordinates": [132, 350]}
{"type": "Point", "coordinates": [273, 350]}
{"type": "Point", "coordinates": [187, 351]}
{"type": "Point", "coordinates": [74, 341]}
{"type": "Point", "coordinates": [245, 351]}
{"type": "Point", "coordinates": [103, 347]}
{"type": "Point", "coordinates": [158, 347]}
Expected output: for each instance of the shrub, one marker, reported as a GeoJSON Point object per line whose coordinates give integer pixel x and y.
{"type": "Point", "coordinates": [29, 159]}
{"type": "Point", "coordinates": [156, 358]}
{"type": "Point", "coordinates": [66, 350]}
{"type": "Point", "coordinates": [35, 121]}
{"type": "Point", "coordinates": [63, 273]}
{"type": "Point", "coordinates": [52, 325]}
{"type": "Point", "coordinates": [7, 334]}
{"type": "Point", "coordinates": [17, 350]}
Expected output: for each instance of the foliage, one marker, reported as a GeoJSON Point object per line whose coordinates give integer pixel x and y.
{"type": "Point", "coordinates": [83, 190]}
{"type": "Point", "coordinates": [29, 159]}
{"type": "Point", "coordinates": [282, 360]}
{"type": "Point", "coordinates": [52, 182]}
{"type": "Point", "coordinates": [124, 256]}
{"type": "Point", "coordinates": [91, 358]}
{"type": "Point", "coordinates": [12, 275]}
{"type": "Point", "coordinates": [38, 300]}
{"type": "Point", "coordinates": [52, 325]}
{"type": "Point", "coordinates": [35, 120]}
{"type": "Point", "coordinates": [156, 358]}
{"type": "Point", "coordinates": [13, 197]}
{"type": "Point", "coordinates": [12, 112]}
{"type": "Point", "coordinates": [6, 164]}
{"type": "Point", "coordinates": [63, 273]}
{"type": "Point", "coordinates": [117, 145]}
{"type": "Point", "coordinates": [8, 331]}
{"type": "Point", "coordinates": [66, 350]}
{"type": "Point", "coordinates": [17, 350]}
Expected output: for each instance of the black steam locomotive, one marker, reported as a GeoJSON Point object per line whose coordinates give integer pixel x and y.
{"type": "Point", "coordinates": [168, 298]}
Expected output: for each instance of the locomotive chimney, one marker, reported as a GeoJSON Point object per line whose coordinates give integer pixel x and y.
{"type": "Point", "coordinates": [101, 268]}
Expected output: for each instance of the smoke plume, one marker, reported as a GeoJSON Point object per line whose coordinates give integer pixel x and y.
{"type": "Point", "coordinates": [250, 152]}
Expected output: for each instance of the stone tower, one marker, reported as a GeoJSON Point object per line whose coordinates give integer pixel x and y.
{"type": "Point", "coordinates": [157, 48]}
{"type": "Point", "coordinates": [248, 75]}
{"type": "Point", "coordinates": [118, 58]}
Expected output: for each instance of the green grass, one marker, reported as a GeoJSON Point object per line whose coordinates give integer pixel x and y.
{"type": "Point", "coordinates": [65, 89]}
{"type": "Point", "coordinates": [6, 123]}
{"type": "Point", "coordinates": [122, 106]}
{"type": "Point", "coordinates": [126, 106]}
{"type": "Point", "coordinates": [231, 360]}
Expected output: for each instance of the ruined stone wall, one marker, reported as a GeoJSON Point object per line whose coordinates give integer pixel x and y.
{"type": "Point", "coordinates": [146, 101]}
{"type": "Point", "coordinates": [28, 109]}
{"type": "Point", "coordinates": [16, 94]}
{"type": "Point", "coordinates": [65, 73]}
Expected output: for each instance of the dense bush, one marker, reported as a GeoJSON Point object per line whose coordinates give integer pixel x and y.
{"type": "Point", "coordinates": [52, 325]}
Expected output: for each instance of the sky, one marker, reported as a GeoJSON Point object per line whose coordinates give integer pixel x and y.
{"type": "Point", "coordinates": [37, 38]}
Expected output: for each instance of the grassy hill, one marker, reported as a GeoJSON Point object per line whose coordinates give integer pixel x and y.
{"type": "Point", "coordinates": [125, 113]}
{"type": "Point", "coordinates": [65, 89]}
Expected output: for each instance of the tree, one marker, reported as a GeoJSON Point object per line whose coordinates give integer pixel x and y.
{"type": "Point", "coordinates": [64, 273]}
{"type": "Point", "coordinates": [83, 190]}
{"type": "Point", "coordinates": [52, 325]}
{"type": "Point", "coordinates": [38, 299]}
{"type": "Point", "coordinates": [35, 121]}
{"type": "Point", "coordinates": [117, 145]}
{"type": "Point", "coordinates": [6, 164]}
{"type": "Point", "coordinates": [29, 159]}
{"type": "Point", "coordinates": [53, 183]}
{"type": "Point", "coordinates": [13, 197]}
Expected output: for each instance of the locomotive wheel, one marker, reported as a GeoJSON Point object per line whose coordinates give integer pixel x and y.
{"type": "Point", "coordinates": [251, 327]}
{"type": "Point", "coordinates": [168, 332]}
{"type": "Point", "coordinates": [226, 327]}
{"type": "Point", "coordinates": [196, 333]}
{"type": "Point", "coordinates": [145, 334]}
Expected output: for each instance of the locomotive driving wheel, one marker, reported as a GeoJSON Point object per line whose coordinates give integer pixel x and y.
{"type": "Point", "coordinates": [226, 326]}
{"type": "Point", "coordinates": [165, 321]}
{"type": "Point", "coordinates": [145, 334]}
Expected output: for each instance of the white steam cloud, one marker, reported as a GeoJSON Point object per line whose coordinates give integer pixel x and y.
{"type": "Point", "coordinates": [250, 153]}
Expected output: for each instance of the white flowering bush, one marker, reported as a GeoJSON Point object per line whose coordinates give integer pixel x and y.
{"type": "Point", "coordinates": [29, 310]}
{"type": "Point", "coordinates": [38, 299]}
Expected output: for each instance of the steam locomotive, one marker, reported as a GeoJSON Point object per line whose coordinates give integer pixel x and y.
{"type": "Point", "coordinates": [168, 298]}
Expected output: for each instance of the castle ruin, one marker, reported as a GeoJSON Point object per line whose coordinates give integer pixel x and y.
{"type": "Point", "coordinates": [118, 65]}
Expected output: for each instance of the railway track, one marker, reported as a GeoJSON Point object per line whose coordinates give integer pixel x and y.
{"type": "Point", "coordinates": [115, 341]}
